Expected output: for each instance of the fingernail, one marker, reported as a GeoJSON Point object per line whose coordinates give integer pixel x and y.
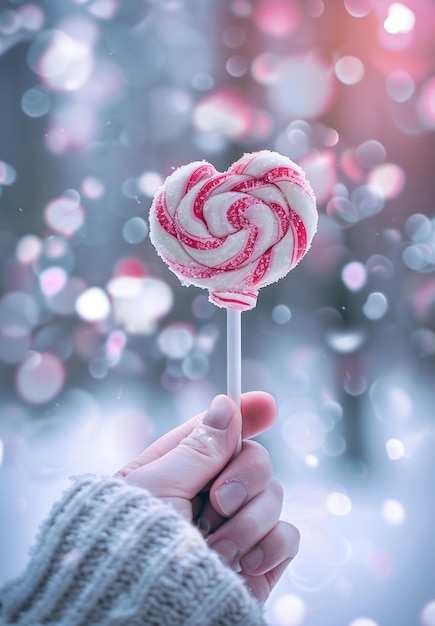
{"type": "Point", "coordinates": [253, 560]}
{"type": "Point", "coordinates": [219, 413]}
{"type": "Point", "coordinates": [231, 496]}
{"type": "Point", "coordinates": [226, 549]}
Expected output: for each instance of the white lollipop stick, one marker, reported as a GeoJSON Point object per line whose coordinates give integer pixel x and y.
{"type": "Point", "coordinates": [234, 359]}
{"type": "Point", "coordinates": [234, 355]}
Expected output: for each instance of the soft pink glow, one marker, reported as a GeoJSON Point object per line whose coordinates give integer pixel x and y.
{"type": "Point", "coordinates": [277, 18]}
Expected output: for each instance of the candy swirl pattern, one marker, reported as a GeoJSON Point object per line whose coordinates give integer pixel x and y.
{"type": "Point", "coordinates": [234, 232]}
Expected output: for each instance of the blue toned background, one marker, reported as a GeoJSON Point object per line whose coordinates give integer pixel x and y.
{"type": "Point", "coordinates": [102, 349]}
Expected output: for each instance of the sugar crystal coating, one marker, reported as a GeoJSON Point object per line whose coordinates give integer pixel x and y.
{"type": "Point", "coordinates": [234, 232]}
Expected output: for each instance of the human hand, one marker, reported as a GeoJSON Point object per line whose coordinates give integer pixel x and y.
{"type": "Point", "coordinates": [236, 498]}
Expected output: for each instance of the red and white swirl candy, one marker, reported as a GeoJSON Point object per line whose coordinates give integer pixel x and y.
{"type": "Point", "coordinates": [234, 232]}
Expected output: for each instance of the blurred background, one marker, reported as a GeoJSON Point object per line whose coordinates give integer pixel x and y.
{"type": "Point", "coordinates": [102, 349]}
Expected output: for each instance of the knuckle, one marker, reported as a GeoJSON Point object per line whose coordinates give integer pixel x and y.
{"type": "Point", "coordinates": [252, 527]}
{"type": "Point", "coordinates": [202, 441]}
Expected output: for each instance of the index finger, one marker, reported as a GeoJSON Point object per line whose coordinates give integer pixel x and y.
{"type": "Point", "coordinates": [258, 413]}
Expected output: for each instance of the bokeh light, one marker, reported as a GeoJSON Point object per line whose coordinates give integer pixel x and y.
{"type": "Point", "coordinates": [393, 512]}
{"type": "Point", "coordinates": [40, 377]}
{"type": "Point", "coordinates": [65, 215]}
{"type": "Point", "coordinates": [375, 306]}
{"type": "Point", "coordinates": [349, 70]}
{"type": "Point", "coordinates": [52, 280]}
{"type": "Point", "coordinates": [359, 8]}
{"type": "Point", "coordinates": [277, 18]}
{"type": "Point", "coordinates": [281, 314]}
{"type": "Point", "coordinates": [401, 19]}
{"type": "Point", "coordinates": [93, 304]}
{"type": "Point", "coordinates": [388, 180]}
{"type": "Point", "coordinates": [354, 276]}
{"type": "Point", "coordinates": [93, 188]}
{"type": "Point", "coordinates": [305, 87]}
{"type": "Point", "coordinates": [135, 230]}
{"type": "Point", "coordinates": [400, 85]}
{"type": "Point", "coordinates": [36, 101]}
{"type": "Point", "coordinates": [428, 614]}
{"type": "Point", "coordinates": [28, 248]}
{"type": "Point", "coordinates": [289, 610]}
{"type": "Point", "coordinates": [8, 173]}
{"type": "Point", "coordinates": [139, 302]}
{"type": "Point", "coordinates": [338, 504]}
{"type": "Point", "coordinates": [395, 449]}
{"type": "Point", "coordinates": [176, 341]}
{"type": "Point", "coordinates": [223, 112]}
{"type": "Point", "coordinates": [427, 103]}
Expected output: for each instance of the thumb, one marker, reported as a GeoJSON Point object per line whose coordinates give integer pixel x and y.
{"type": "Point", "coordinates": [187, 468]}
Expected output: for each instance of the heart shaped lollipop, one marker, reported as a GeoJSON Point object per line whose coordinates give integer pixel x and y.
{"type": "Point", "coordinates": [234, 232]}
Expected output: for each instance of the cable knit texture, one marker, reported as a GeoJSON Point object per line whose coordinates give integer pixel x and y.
{"type": "Point", "coordinates": [113, 555]}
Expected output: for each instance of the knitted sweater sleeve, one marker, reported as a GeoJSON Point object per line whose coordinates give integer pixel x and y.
{"type": "Point", "coordinates": [113, 555]}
